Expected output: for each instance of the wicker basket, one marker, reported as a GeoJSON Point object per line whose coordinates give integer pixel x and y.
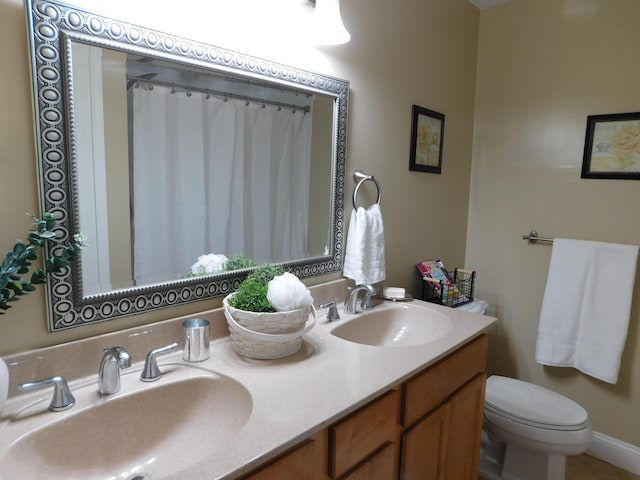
{"type": "Point", "coordinates": [267, 335]}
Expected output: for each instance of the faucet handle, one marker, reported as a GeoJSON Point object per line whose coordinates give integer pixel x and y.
{"type": "Point", "coordinates": [332, 314]}
{"type": "Point", "coordinates": [62, 397]}
{"type": "Point", "coordinates": [151, 372]}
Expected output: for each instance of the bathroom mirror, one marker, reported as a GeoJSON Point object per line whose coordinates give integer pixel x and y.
{"type": "Point", "coordinates": [162, 149]}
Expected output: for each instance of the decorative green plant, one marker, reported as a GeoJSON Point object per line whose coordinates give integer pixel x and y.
{"type": "Point", "coordinates": [18, 262]}
{"type": "Point", "coordinates": [252, 293]}
{"type": "Point", "coordinates": [237, 262]}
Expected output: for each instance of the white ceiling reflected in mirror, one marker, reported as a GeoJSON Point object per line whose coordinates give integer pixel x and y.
{"type": "Point", "coordinates": [162, 149]}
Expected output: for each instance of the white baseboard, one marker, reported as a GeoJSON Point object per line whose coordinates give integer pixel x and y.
{"type": "Point", "coordinates": [616, 452]}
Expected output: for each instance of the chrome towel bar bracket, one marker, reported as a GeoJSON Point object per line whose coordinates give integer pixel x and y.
{"type": "Point", "coordinates": [533, 237]}
{"type": "Point", "coordinates": [360, 177]}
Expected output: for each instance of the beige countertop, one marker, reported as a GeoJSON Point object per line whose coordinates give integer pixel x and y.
{"type": "Point", "coordinates": [291, 398]}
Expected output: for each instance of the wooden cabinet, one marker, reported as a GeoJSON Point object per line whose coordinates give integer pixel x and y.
{"type": "Point", "coordinates": [298, 464]}
{"type": "Point", "coordinates": [433, 386]}
{"type": "Point", "coordinates": [382, 465]}
{"type": "Point", "coordinates": [354, 439]}
{"type": "Point", "coordinates": [424, 447]}
{"type": "Point", "coordinates": [465, 430]}
{"type": "Point", "coordinates": [445, 444]}
{"type": "Point", "coordinates": [427, 429]}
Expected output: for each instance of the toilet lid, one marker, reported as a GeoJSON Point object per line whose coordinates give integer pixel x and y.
{"type": "Point", "coordinates": [533, 405]}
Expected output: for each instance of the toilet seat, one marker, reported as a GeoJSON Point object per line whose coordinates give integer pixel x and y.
{"type": "Point", "coordinates": [533, 405]}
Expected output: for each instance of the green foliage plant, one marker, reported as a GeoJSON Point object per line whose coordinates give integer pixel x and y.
{"type": "Point", "coordinates": [19, 261]}
{"type": "Point", "coordinates": [252, 293]}
{"type": "Point", "coordinates": [237, 262]}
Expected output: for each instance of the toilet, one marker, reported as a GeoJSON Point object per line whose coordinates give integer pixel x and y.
{"type": "Point", "coordinates": [529, 430]}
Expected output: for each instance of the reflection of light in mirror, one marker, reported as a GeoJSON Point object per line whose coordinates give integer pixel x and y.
{"type": "Point", "coordinates": [328, 28]}
{"type": "Point", "coordinates": [273, 29]}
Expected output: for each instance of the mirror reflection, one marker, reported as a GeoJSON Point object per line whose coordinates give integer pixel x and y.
{"type": "Point", "coordinates": [221, 163]}
{"type": "Point", "coordinates": [180, 161]}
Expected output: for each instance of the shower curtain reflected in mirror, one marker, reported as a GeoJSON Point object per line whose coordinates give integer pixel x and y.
{"type": "Point", "coordinates": [233, 178]}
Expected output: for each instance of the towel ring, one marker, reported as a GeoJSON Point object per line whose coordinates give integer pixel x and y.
{"type": "Point", "coordinates": [360, 177]}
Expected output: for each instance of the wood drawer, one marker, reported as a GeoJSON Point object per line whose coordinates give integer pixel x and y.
{"type": "Point", "coordinates": [358, 436]}
{"type": "Point", "coordinates": [428, 389]}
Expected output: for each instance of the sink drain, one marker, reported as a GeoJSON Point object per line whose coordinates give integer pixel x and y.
{"type": "Point", "coordinates": [141, 476]}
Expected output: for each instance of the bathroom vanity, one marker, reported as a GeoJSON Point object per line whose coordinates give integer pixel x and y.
{"type": "Point", "coordinates": [428, 427]}
{"type": "Point", "coordinates": [337, 409]}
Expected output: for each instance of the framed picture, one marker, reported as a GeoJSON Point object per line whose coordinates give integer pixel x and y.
{"type": "Point", "coordinates": [612, 146]}
{"type": "Point", "coordinates": [427, 134]}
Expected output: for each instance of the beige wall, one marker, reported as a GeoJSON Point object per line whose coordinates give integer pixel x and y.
{"type": "Point", "coordinates": [419, 51]}
{"type": "Point", "coordinates": [543, 66]}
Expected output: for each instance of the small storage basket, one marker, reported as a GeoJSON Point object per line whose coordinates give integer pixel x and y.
{"type": "Point", "coordinates": [438, 291]}
{"type": "Point", "coordinates": [264, 335]}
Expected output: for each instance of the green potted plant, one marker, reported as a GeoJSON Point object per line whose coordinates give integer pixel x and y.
{"type": "Point", "coordinates": [268, 313]}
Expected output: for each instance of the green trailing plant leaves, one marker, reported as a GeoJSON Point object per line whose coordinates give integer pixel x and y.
{"type": "Point", "coordinates": [19, 261]}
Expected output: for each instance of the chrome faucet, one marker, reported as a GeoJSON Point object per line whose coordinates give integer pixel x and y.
{"type": "Point", "coordinates": [62, 398]}
{"type": "Point", "coordinates": [151, 372]}
{"type": "Point", "coordinates": [114, 359]}
{"type": "Point", "coordinates": [350, 303]}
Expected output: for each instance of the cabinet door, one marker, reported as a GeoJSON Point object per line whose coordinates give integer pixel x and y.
{"type": "Point", "coordinates": [354, 439]}
{"type": "Point", "coordinates": [298, 464]}
{"type": "Point", "coordinates": [424, 447]}
{"type": "Point", "coordinates": [435, 385]}
{"type": "Point", "coordinates": [465, 430]}
{"type": "Point", "coordinates": [382, 466]}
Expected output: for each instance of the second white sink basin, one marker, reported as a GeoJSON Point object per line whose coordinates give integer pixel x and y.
{"type": "Point", "coordinates": [394, 325]}
{"type": "Point", "coordinates": [145, 431]}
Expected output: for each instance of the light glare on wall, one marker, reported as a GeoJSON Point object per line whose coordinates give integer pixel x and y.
{"type": "Point", "coordinates": [328, 28]}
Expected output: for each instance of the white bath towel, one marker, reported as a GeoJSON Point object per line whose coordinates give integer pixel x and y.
{"type": "Point", "coordinates": [586, 306]}
{"type": "Point", "coordinates": [364, 256]}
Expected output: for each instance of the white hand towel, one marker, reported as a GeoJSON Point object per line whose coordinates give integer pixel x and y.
{"type": "Point", "coordinates": [364, 256]}
{"type": "Point", "coordinates": [586, 306]}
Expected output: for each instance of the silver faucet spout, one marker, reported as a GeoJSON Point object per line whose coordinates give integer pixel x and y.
{"type": "Point", "coordinates": [113, 360]}
{"type": "Point", "coordinates": [350, 304]}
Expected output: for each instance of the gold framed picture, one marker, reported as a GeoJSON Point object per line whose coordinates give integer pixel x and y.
{"type": "Point", "coordinates": [427, 135]}
{"type": "Point", "coordinates": [612, 146]}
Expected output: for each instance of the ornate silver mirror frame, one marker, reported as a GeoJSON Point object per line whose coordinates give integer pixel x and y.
{"type": "Point", "coordinates": [52, 28]}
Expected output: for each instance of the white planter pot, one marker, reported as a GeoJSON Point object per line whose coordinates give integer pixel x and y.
{"type": "Point", "coordinates": [267, 335]}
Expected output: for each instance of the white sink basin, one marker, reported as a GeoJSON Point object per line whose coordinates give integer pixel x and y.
{"type": "Point", "coordinates": [146, 431]}
{"type": "Point", "coordinates": [394, 325]}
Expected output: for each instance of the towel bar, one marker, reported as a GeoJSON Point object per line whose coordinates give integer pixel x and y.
{"type": "Point", "coordinates": [534, 238]}
{"type": "Point", "coordinates": [360, 177]}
